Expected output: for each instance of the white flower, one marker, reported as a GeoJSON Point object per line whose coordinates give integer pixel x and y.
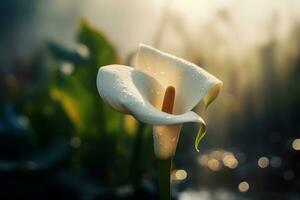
{"type": "Point", "coordinates": [139, 91]}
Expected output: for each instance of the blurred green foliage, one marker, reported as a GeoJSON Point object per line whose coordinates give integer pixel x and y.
{"type": "Point", "coordinates": [67, 122]}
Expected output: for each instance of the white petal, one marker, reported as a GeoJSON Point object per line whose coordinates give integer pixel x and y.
{"type": "Point", "coordinates": [165, 140]}
{"type": "Point", "coordinates": [192, 83]}
{"type": "Point", "coordinates": [128, 90]}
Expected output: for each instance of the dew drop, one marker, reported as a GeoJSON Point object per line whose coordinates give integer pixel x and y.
{"type": "Point", "coordinates": [173, 139]}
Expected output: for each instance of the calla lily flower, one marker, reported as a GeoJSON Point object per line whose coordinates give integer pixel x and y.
{"type": "Point", "coordinates": [140, 90]}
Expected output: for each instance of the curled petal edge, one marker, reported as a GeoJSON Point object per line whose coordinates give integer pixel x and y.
{"type": "Point", "coordinates": [193, 84]}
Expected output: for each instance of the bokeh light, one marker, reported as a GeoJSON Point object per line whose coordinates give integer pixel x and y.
{"type": "Point", "coordinates": [215, 159]}
{"type": "Point", "coordinates": [289, 175]}
{"type": "Point", "coordinates": [203, 160]}
{"type": "Point", "coordinates": [213, 164]}
{"type": "Point", "coordinates": [263, 162]}
{"type": "Point", "coordinates": [243, 186]}
{"type": "Point", "coordinates": [230, 161]}
{"type": "Point", "coordinates": [296, 144]}
{"type": "Point", "coordinates": [275, 162]}
{"type": "Point", "coordinates": [179, 175]}
{"type": "Point", "coordinates": [66, 68]}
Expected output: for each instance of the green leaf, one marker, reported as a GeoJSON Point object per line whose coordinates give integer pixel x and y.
{"type": "Point", "coordinates": [78, 93]}
{"type": "Point", "coordinates": [66, 54]}
{"type": "Point", "coordinates": [101, 49]}
{"type": "Point", "coordinates": [79, 97]}
{"type": "Point", "coordinates": [200, 135]}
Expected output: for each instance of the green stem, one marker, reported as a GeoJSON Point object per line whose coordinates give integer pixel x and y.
{"type": "Point", "coordinates": [135, 168]}
{"type": "Point", "coordinates": [164, 184]}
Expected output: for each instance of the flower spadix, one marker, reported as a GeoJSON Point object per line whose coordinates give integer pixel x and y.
{"type": "Point", "coordinates": [159, 90]}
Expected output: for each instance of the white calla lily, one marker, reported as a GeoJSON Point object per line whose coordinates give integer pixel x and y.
{"type": "Point", "coordinates": [140, 90]}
